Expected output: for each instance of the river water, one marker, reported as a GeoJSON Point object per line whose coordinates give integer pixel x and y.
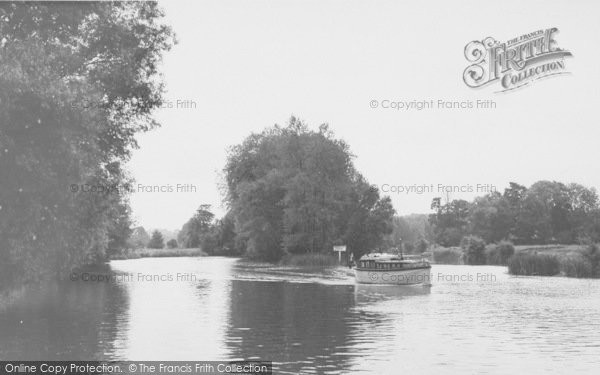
{"type": "Point", "coordinates": [471, 319]}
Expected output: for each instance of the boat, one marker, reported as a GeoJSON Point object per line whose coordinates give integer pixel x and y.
{"type": "Point", "coordinates": [393, 269]}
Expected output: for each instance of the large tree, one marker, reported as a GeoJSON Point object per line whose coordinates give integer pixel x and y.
{"type": "Point", "coordinates": [77, 82]}
{"type": "Point", "coordinates": [294, 190]}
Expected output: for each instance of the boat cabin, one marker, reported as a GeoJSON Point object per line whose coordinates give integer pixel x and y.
{"type": "Point", "coordinates": [379, 261]}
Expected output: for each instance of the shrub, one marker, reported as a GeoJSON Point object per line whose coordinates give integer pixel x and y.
{"type": "Point", "coordinates": [533, 264]}
{"type": "Point", "coordinates": [576, 266]}
{"type": "Point", "coordinates": [452, 255]}
{"type": "Point", "coordinates": [473, 250]}
{"type": "Point", "coordinates": [422, 245]}
{"type": "Point", "coordinates": [593, 256]}
{"type": "Point", "coordinates": [500, 253]}
{"type": "Point", "coordinates": [172, 244]}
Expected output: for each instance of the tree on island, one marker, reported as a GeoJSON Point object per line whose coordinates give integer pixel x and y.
{"type": "Point", "coordinates": [156, 241]}
{"type": "Point", "coordinates": [294, 190]}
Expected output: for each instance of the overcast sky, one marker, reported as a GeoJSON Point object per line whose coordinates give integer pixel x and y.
{"type": "Point", "coordinates": [248, 65]}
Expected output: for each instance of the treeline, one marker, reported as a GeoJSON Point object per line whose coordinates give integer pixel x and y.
{"type": "Point", "coordinates": [410, 233]}
{"type": "Point", "coordinates": [292, 190]}
{"type": "Point", "coordinates": [78, 81]}
{"type": "Point", "coordinates": [548, 212]}
{"type": "Point", "coordinates": [215, 237]}
{"type": "Point", "coordinates": [571, 261]}
{"type": "Point", "coordinates": [140, 239]}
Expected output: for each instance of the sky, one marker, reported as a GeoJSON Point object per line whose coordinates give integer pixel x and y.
{"type": "Point", "coordinates": [242, 66]}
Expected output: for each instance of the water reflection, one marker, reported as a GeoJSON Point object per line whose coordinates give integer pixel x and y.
{"type": "Point", "coordinates": [373, 293]}
{"type": "Point", "coordinates": [63, 320]}
{"type": "Point", "coordinates": [311, 322]}
{"type": "Point", "coordinates": [302, 327]}
{"type": "Point", "coordinates": [178, 308]}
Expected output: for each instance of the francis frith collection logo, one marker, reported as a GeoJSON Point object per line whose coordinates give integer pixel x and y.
{"type": "Point", "coordinates": [515, 63]}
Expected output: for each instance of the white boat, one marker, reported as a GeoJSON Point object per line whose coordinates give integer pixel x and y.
{"type": "Point", "coordinates": [383, 268]}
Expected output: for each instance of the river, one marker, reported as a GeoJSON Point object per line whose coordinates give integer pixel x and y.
{"type": "Point", "coordinates": [471, 319]}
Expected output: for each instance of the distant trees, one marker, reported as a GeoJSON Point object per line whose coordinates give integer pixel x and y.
{"type": "Point", "coordinates": [172, 243]}
{"type": "Point", "coordinates": [546, 212]}
{"type": "Point", "coordinates": [212, 236]}
{"type": "Point", "coordinates": [156, 241]}
{"type": "Point", "coordinates": [78, 81]}
{"type": "Point", "coordinates": [422, 245]}
{"type": "Point", "coordinates": [450, 221]}
{"type": "Point", "coordinates": [293, 190]}
{"type": "Point", "coordinates": [139, 238]}
{"type": "Point", "coordinates": [195, 230]}
{"type": "Point", "coordinates": [412, 233]}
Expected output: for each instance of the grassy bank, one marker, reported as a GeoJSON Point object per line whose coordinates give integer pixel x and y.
{"type": "Point", "coordinates": [558, 250]}
{"type": "Point", "coordinates": [568, 260]}
{"type": "Point", "coordinates": [309, 260]}
{"type": "Point", "coordinates": [534, 264]}
{"type": "Point", "coordinates": [159, 253]}
{"type": "Point", "coordinates": [534, 260]}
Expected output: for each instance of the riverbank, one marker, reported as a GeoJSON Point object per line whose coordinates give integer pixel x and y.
{"type": "Point", "coordinates": [571, 261]}
{"type": "Point", "coordinates": [579, 261]}
{"type": "Point", "coordinates": [158, 253]}
{"type": "Point", "coordinates": [315, 260]}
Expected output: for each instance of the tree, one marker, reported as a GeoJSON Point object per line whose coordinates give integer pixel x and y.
{"type": "Point", "coordinates": [491, 217]}
{"type": "Point", "coordinates": [156, 241]}
{"type": "Point", "coordinates": [119, 229]}
{"type": "Point", "coordinates": [546, 212]}
{"type": "Point", "coordinates": [172, 244]}
{"type": "Point", "coordinates": [450, 221]}
{"type": "Point", "coordinates": [78, 81]}
{"type": "Point", "coordinates": [473, 250]}
{"type": "Point", "coordinates": [293, 190]}
{"type": "Point", "coordinates": [139, 238]}
{"type": "Point", "coordinates": [422, 245]}
{"type": "Point", "coordinates": [193, 232]}
{"type": "Point", "coordinates": [409, 229]}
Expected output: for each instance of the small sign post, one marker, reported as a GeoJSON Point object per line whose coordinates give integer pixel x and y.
{"type": "Point", "coordinates": [339, 250]}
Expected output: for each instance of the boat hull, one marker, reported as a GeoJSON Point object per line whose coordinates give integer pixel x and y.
{"type": "Point", "coordinates": [394, 277]}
